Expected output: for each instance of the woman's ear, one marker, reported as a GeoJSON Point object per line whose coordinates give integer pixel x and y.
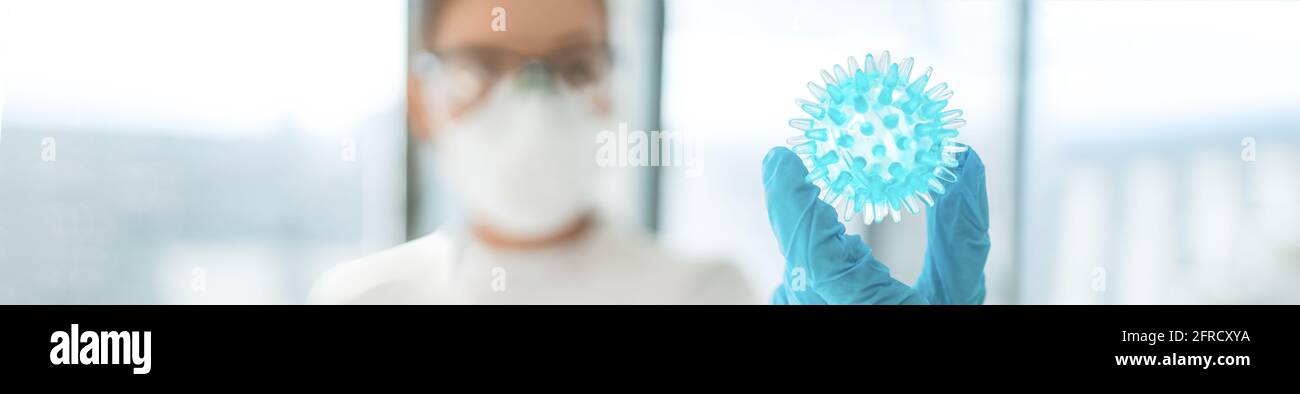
{"type": "Point", "coordinates": [420, 122]}
{"type": "Point", "coordinates": [602, 99]}
{"type": "Point", "coordinates": [604, 105]}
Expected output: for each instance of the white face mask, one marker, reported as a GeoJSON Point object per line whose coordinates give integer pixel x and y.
{"type": "Point", "coordinates": [523, 162]}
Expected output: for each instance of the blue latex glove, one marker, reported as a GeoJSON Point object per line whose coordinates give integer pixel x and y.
{"type": "Point", "coordinates": [826, 266]}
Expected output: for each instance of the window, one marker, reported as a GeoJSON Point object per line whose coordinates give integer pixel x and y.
{"type": "Point", "coordinates": [196, 152]}
{"type": "Point", "coordinates": [1164, 141]}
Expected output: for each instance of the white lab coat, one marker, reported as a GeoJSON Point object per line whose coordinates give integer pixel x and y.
{"type": "Point", "coordinates": [604, 266]}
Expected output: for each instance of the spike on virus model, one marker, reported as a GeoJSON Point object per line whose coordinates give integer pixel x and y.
{"type": "Point", "coordinates": [876, 141]}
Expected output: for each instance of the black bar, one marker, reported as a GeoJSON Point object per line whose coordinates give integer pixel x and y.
{"type": "Point", "coordinates": [315, 342]}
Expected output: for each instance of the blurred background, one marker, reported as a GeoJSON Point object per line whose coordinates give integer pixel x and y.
{"type": "Point", "coordinates": [231, 151]}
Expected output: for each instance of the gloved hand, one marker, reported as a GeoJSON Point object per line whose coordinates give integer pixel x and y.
{"type": "Point", "coordinates": [835, 268]}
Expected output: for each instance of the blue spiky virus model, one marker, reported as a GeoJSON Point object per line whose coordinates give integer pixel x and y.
{"type": "Point", "coordinates": [876, 141]}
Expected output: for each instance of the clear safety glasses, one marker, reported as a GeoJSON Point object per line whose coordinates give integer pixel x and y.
{"type": "Point", "coordinates": [458, 80]}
